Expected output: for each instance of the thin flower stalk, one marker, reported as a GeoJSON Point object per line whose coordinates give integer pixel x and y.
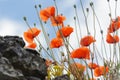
{"type": "Point", "coordinates": [45, 34]}
{"type": "Point", "coordinates": [78, 21]}
{"type": "Point", "coordinates": [88, 32]}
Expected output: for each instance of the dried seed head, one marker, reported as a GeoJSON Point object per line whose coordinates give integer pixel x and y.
{"type": "Point", "coordinates": [74, 18]}
{"type": "Point", "coordinates": [34, 24]}
{"type": "Point", "coordinates": [101, 31]}
{"type": "Point", "coordinates": [87, 9]}
{"type": "Point", "coordinates": [74, 6]}
{"type": "Point", "coordinates": [39, 5]}
{"type": "Point", "coordinates": [35, 6]}
{"type": "Point", "coordinates": [91, 3]}
{"type": "Point", "coordinates": [24, 18]}
{"type": "Point", "coordinates": [62, 53]}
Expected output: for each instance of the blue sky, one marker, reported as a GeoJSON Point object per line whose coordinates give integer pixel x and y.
{"type": "Point", "coordinates": [13, 11]}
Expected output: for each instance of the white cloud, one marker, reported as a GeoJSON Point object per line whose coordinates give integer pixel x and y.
{"type": "Point", "coordinates": [11, 27]}
{"type": "Point", "coordinates": [102, 11]}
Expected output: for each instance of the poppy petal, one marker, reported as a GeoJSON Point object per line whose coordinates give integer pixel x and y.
{"type": "Point", "coordinates": [57, 20]}
{"type": "Point", "coordinates": [66, 31]}
{"type": "Point", "coordinates": [56, 43]}
{"type": "Point", "coordinates": [87, 40]}
{"type": "Point", "coordinates": [31, 45]}
{"type": "Point", "coordinates": [35, 31]}
{"type": "Point", "coordinates": [81, 53]}
{"type": "Point", "coordinates": [112, 39]}
{"type": "Point", "coordinates": [92, 65]}
{"type": "Point", "coordinates": [46, 13]}
{"type": "Point", "coordinates": [28, 37]}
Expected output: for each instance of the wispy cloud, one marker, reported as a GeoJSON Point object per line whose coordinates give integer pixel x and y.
{"type": "Point", "coordinates": [11, 27]}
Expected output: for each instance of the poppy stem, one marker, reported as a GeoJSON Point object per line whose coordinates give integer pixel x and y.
{"type": "Point", "coordinates": [116, 8]}
{"type": "Point", "coordinates": [76, 31]}
{"type": "Point", "coordinates": [109, 9]}
{"type": "Point", "coordinates": [56, 7]}
{"type": "Point", "coordinates": [94, 22]}
{"type": "Point", "coordinates": [85, 17]}
{"type": "Point", "coordinates": [45, 34]}
{"type": "Point", "coordinates": [25, 19]}
{"type": "Point", "coordinates": [103, 42]}
{"type": "Point", "coordinates": [87, 70]}
{"type": "Point", "coordinates": [77, 18]}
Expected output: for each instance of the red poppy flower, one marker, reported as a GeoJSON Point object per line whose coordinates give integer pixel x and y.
{"type": "Point", "coordinates": [56, 42]}
{"type": "Point", "coordinates": [66, 31]}
{"type": "Point", "coordinates": [87, 40]}
{"type": "Point", "coordinates": [46, 13]}
{"type": "Point", "coordinates": [31, 45]}
{"type": "Point", "coordinates": [31, 34]}
{"type": "Point", "coordinates": [57, 20]}
{"type": "Point", "coordinates": [34, 31]}
{"type": "Point", "coordinates": [115, 25]}
{"type": "Point", "coordinates": [28, 37]}
{"type": "Point", "coordinates": [92, 65]}
{"type": "Point", "coordinates": [112, 39]}
{"type": "Point", "coordinates": [101, 70]}
{"type": "Point", "coordinates": [81, 53]}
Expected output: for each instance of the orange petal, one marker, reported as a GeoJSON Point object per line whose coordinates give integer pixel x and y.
{"type": "Point", "coordinates": [56, 43]}
{"type": "Point", "coordinates": [66, 31]}
{"type": "Point", "coordinates": [114, 25]}
{"type": "Point", "coordinates": [97, 72]}
{"type": "Point", "coordinates": [112, 39]}
{"type": "Point", "coordinates": [81, 53]}
{"type": "Point", "coordinates": [57, 20]}
{"type": "Point", "coordinates": [104, 70]}
{"type": "Point", "coordinates": [47, 13]}
{"type": "Point", "coordinates": [44, 15]}
{"type": "Point", "coordinates": [87, 40]}
{"type": "Point", "coordinates": [92, 65]}
{"type": "Point", "coordinates": [51, 10]}
{"type": "Point", "coordinates": [28, 37]}
{"type": "Point", "coordinates": [101, 70]}
{"type": "Point", "coordinates": [31, 45]}
{"type": "Point", "coordinates": [34, 31]}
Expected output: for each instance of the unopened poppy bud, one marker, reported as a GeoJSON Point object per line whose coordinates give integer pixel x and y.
{"type": "Point", "coordinates": [105, 63]}
{"type": "Point", "coordinates": [61, 14]}
{"type": "Point", "coordinates": [34, 24]}
{"type": "Point", "coordinates": [101, 31]}
{"type": "Point", "coordinates": [65, 60]}
{"type": "Point", "coordinates": [25, 19]}
{"type": "Point", "coordinates": [35, 6]}
{"type": "Point", "coordinates": [87, 9]}
{"type": "Point", "coordinates": [62, 53]}
{"type": "Point", "coordinates": [110, 14]}
{"type": "Point", "coordinates": [47, 48]}
{"type": "Point", "coordinates": [39, 5]}
{"type": "Point", "coordinates": [74, 6]}
{"type": "Point", "coordinates": [91, 3]}
{"type": "Point", "coordinates": [74, 18]}
{"type": "Point", "coordinates": [45, 22]}
{"type": "Point", "coordinates": [48, 34]}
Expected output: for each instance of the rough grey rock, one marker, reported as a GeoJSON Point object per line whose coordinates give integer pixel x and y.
{"type": "Point", "coordinates": [18, 63]}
